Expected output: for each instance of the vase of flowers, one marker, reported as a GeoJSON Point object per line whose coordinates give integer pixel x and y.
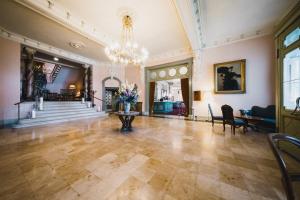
{"type": "Point", "coordinates": [128, 95]}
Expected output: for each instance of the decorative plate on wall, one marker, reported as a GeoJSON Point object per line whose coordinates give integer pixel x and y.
{"type": "Point", "coordinates": [183, 70]}
{"type": "Point", "coordinates": [153, 75]}
{"type": "Point", "coordinates": [162, 74]}
{"type": "Point", "coordinates": [172, 72]}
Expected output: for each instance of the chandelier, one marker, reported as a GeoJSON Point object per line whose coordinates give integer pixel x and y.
{"type": "Point", "coordinates": [127, 51]}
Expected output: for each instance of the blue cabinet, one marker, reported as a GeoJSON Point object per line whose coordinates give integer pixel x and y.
{"type": "Point", "coordinates": [163, 107]}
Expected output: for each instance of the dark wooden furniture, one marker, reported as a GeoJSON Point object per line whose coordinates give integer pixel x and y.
{"type": "Point", "coordinates": [228, 118]}
{"type": "Point", "coordinates": [250, 121]}
{"type": "Point", "coordinates": [213, 118]}
{"type": "Point", "coordinates": [126, 119]}
{"type": "Point", "coordinates": [139, 107]}
{"type": "Point", "coordinates": [278, 143]}
{"type": "Point", "coordinates": [263, 118]}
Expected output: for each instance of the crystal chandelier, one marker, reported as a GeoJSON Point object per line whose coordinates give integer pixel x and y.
{"type": "Point", "coordinates": [127, 51]}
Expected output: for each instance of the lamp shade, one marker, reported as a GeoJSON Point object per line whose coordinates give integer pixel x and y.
{"type": "Point", "coordinates": [72, 86]}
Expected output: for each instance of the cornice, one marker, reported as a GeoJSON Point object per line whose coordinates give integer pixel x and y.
{"type": "Point", "coordinates": [53, 10]}
{"type": "Point", "coordinates": [170, 56]}
{"type": "Point", "coordinates": [45, 47]}
{"type": "Point", "coordinates": [185, 12]}
{"type": "Point", "coordinates": [239, 38]}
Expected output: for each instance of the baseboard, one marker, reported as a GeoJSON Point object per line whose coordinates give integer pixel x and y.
{"type": "Point", "coordinates": [7, 123]}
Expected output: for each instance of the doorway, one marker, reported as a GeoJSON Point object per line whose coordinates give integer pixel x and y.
{"type": "Point", "coordinates": [111, 103]}
{"type": "Point", "coordinates": [168, 98]}
{"type": "Point", "coordinates": [110, 86]}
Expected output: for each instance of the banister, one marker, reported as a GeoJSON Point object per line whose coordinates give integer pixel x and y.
{"type": "Point", "coordinates": [18, 103]}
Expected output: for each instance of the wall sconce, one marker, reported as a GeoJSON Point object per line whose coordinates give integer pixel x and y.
{"type": "Point", "coordinates": [72, 87]}
{"type": "Point", "coordinates": [197, 95]}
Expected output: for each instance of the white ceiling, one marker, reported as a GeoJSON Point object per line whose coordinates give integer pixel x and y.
{"type": "Point", "coordinates": [229, 20]}
{"type": "Point", "coordinates": [158, 24]}
{"type": "Point", "coordinates": [21, 20]}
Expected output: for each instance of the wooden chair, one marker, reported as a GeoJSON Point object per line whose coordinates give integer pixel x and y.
{"type": "Point", "coordinates": [228, 118]}
{"type": "Point", "coordinates": [213, 118]}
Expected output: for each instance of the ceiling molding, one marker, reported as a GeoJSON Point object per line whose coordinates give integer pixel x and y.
{"type": "Point", "coordinates": [54, 11]}
{"type": "Point", "coordinates": [186, 13]}
{"type": "Point", "coordinates": [45, 47]}
{"type": "Point", "coordinates": [170, 56]}
{"type": "Point", "coordinates": [242, 37]}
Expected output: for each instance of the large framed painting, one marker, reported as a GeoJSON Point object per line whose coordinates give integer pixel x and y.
{"type": "Point", "coordinates": [230, 77]}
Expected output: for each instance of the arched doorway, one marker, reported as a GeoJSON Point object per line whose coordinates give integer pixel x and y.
{"type": "Point", "coordinates": [110, 86]}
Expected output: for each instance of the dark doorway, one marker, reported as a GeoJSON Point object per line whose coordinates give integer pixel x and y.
{"type": "Point", "coordinates": [111, 103]}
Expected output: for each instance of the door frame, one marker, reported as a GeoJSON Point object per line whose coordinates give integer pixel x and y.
{"type": "Point", "coordinates": [188, 62]}
{"type": "Point", "coordinates": [103, 89]}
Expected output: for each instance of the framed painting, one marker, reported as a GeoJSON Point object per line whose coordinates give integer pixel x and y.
{"type": "Point", "coordinates": [229, 77]}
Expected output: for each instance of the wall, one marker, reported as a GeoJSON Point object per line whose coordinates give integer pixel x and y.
{"type": "Point", "coordinates": [9, 80]}
{"type": "Point", "coordinates": [260, 72]}
{"type": "Point", "coordinates": [135, 74]}
{"type": "Point", "coordinates": [101, 72]}
{"type": "Point", "coordinates": [65, 77]}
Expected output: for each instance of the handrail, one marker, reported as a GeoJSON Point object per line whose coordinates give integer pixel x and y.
{"type": "Point", "coordinates": [287, 178]}
{"type": "Point", "coordinates": [18, 103]}
{"type": "Point", "coordinates": [92, 94]}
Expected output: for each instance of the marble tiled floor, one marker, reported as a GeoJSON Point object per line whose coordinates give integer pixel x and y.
{"type": "Point", "coordinates": [162, 159]}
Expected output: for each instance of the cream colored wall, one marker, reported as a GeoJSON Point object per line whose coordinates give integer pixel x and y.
{"type": "Point", "coordinates": [9, 79]}
{"type": "Point", "coordinates": [260, 72]}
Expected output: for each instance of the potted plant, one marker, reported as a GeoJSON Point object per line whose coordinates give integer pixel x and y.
{"type": "Point", "coordinates": [128, 95]}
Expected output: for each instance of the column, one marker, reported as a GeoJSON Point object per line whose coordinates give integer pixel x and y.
{"type": "Point", "coordinates": [29, 72]}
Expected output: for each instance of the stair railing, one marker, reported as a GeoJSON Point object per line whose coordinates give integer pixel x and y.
{"type": "Point", "coordinates": [92, 95]}
{"type": "Point", "coordinates": [35, 106]}
{"type": "Point", "coordinates": [19, 112]}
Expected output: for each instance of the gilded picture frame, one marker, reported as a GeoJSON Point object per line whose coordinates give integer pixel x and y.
{"type": "Point", "coordinates": [230, 77]}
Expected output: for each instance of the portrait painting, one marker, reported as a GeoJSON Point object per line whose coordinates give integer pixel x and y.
{"type": "Point", "coordinates": [230, 77]}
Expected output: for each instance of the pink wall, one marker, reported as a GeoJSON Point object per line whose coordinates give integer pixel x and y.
{"type": "Point", "coordinates": [260, 72]}
{"type": "Point", "coordinates": [9, 79]}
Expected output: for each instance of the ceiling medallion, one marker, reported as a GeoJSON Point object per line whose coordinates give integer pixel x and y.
{"type": "Point", "coordinates": [77, 45]}
{"type": "Point", "coordinates": [127, 51]}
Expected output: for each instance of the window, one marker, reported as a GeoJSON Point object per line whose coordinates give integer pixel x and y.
{"type": "Point", "coordinates": [292, 37]}
{"type": "Point", "coordinates": [291, 78]}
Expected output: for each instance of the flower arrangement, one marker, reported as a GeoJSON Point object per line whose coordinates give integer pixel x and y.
{"type": "Point", "coordinates": [128, 93]}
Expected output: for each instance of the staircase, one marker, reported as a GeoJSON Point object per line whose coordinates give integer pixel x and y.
{"type": "Point", "coordinates": [55, 72]}
{"type": "Point", "coordinates": [63, 111]}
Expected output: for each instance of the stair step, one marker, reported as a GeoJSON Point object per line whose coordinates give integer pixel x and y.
{"type": "Point", "coordinates": [56, 121]}
{"type": "Point", "coordinates": [58, 114]}
{"type": "Point", "coordinates": [64, 110]}
{"type": "Point", "coordinates": [55, 118]}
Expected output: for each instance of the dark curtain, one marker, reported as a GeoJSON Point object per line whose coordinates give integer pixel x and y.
{"type": "Point", "coordinates": [151, 97]}
{"type": "Point", "coordinates": [185, 94]}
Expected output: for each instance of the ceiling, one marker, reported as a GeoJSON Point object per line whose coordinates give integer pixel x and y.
{"type": "Point", "coordinates": [229, 20]}
{"type": "Point", "coordinates": [21, 20]}
{"type": "Point", "coordinates": [158, 24]}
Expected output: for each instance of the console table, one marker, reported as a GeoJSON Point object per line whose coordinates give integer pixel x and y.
{"type": "Point", "coordinates": [126, 119]}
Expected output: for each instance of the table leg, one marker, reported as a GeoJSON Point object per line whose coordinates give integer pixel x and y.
{"type": "Point", "coordinates": [123, 123]}
{"type": "Point", "coordinates": [130, 122]}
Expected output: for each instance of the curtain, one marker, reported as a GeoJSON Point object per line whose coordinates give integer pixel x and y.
{"type": "Point", "coordinates": [151, 97]}
{"type": "Point", "coordinates": [185, 94]}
